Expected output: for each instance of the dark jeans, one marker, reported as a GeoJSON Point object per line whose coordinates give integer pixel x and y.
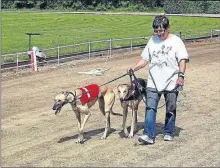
{"type": "Point", "coordinates": [151, 110]}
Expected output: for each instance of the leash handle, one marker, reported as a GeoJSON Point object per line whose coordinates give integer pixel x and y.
{"type": "Point", "coordinates": [179, 88]}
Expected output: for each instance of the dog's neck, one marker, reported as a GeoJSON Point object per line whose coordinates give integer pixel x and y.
{"type": "Point", "coordinates": [74, 98]}
{"type": "Point", "coordinates": [130, 91]}
{"type": "Point", "coordinates": [71, 97]}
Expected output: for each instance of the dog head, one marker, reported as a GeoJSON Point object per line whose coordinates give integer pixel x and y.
{"type": "Point", "coordinates": [61, 99]}
{"type": "Point", "coordinates": [124, 90]}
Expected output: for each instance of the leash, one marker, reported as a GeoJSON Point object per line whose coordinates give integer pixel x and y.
{"type": "Point", "coordinates": [77, 97]}
{"type": "Point", "coordinates": [176, 89]}
{"type": "Point", "coordinates": [131, 73]}
{"type": "Point", "coordinates": [114, 79]}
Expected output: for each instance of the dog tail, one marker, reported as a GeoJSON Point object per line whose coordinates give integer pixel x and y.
{"type": "Point", "coordinates": [113, 113]}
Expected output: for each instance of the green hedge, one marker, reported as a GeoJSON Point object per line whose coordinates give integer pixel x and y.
{"type": "Point", "coordinates": [6, 4]}
{"type": "Point", "coordinates": [181, 7]}
{"type": "Point", "coordinates": [79, 4]}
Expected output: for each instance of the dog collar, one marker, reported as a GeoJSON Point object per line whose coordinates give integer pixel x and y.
{"type": "Point", "coordinates": [74, 96]}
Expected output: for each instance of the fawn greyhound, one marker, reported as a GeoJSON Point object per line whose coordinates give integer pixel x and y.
{"type": "Point", "coordinates": [82, 99]}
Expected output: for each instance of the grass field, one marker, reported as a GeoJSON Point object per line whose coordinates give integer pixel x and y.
{"type": "Point", "coordinates": [67, 29]}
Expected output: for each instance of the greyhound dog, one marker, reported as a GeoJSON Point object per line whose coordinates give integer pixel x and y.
{"type": "Point", "coordinates": [82, 99]}
{"type": "Point", "coordinates": [130, 96]}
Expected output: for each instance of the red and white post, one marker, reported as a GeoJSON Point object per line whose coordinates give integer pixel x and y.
{"type": "Point", "coordinates": [33, 61]}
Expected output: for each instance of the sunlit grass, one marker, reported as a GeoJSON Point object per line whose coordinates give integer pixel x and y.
{"type": "Point", "coordinates": [67, 29]}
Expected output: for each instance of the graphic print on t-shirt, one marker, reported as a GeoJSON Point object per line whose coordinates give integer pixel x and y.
{"type": "Point", "coordinates": [160, 57]}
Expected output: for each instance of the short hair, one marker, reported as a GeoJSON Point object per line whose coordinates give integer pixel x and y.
{"type": "Point", "coordinates": [160, 21]}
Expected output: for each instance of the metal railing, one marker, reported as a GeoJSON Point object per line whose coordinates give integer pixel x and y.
{"type": "Point", "coordinates": [60, 54]}
{"type": "Point", "coordinates": [85, 50]}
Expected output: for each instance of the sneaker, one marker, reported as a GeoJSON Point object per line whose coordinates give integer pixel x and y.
{"type": "Point", "coordinates": [167, 138]}
{"type": "Point", "coordinates": [145, 139]}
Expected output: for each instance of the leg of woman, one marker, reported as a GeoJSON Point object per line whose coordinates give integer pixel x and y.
{"type": "Point", "coordinates": [170, 98]}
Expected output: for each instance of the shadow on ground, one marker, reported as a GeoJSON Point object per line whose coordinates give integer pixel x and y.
{"type": "Point", "coordinates": [87, 135]}
{"type": "Point", "coordinates": [159, 129]}
{"type": "Point", "coordinates": [140, 125]}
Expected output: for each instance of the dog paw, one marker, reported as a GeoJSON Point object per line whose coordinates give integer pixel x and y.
{"type": "Point", "coordinates": [126, 134]}
{"type": "Point", "coordinates": [130, 136]}
{"type": "Point", "coordinates": [79, 141]}
{"type": "Point", "coordinates": [103, 137]}
{"type": "Point", "coordinates": [125, 131]}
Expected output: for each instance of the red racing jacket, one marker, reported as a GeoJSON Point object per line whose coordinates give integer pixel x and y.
{"type": "Point", "coordinates": [89, 93]}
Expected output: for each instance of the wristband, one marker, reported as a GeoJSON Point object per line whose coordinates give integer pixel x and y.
{"type": "Point", "coordinates": [181, 74]}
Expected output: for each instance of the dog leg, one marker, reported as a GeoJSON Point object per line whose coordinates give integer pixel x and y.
{"type": "Point", "coordinates": [125, 113]}
{"type": "Point", "coordinates": [136, 105]}
{"type": "Point", "coordinates": [135, 111]}
{"type": "Point", "coordinates": [107, 125]}
{"type": "Point", "coordinates": [81, 131]}
{"type": "Point", "coordinates": [105, 104]}
{"type": "Point", "coordinates": [80, 136]}
{"type": "Point", "coordinates": [81, 127]}
{"type": "Point", "coordinates": [102, 105]}
{"type": "Point", "coordinates": [107, 116]}
{"type": "Point", "coordinates": [133, 124]}
{"type": "Point", "coordinates": [134, 118]}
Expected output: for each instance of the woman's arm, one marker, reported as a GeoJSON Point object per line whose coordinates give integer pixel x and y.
{"type": "Point", "coordinates": [140, 64]}
{"type": "Point", "coordinates": [182, 69]}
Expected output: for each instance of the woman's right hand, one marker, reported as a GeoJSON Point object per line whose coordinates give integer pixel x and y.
{"type": "Point", "coordinates": [130, 71]}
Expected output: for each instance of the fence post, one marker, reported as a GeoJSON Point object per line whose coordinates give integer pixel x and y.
{"type": "Point", "coordinates": [58, 55]}
{"type": "Point", "coordinates": [17, 62]}
{"type": "Point", "coordinates": [131, 44]}
{"type": "Point", "coordinates": [33, 60]}
{"type": "Point", "coordinates": [89, 49]}
{"type": "Point", "coordinates": [211, 34]}
{"type": "Point", "coordinates": [218, 30]}
{"type": "Point", "coordinates": [180, 35]}
{"type": "Point", "coordinates": [110, 47]}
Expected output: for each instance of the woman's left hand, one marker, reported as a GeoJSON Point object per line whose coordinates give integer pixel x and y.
{"type": "Point", "coordinates": [180, 81]}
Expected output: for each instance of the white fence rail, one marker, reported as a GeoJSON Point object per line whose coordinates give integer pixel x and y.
{"type": "Point", "coordinates": [85, 50]}
{"type": "Point", "coordinates": [60, 54]}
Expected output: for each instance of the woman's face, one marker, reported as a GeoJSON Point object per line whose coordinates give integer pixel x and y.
{"type": "Point", "coordinates": [161, 33]}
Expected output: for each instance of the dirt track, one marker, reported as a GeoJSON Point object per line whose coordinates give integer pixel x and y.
{"type": "Point", "coordinates": [32, 136]}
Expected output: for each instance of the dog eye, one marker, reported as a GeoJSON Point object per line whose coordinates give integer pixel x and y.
{"type": "Point", "coordinates": [125, 91]}
{"type": "Point", "coordinates": [119, 91]}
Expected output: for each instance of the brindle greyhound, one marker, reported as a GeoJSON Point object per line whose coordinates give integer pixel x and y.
{"type": "Point", "coordinates": [130, 96]}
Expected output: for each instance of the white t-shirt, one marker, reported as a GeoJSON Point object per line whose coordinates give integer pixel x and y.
{"type": "Point", "coordinates": [163, 57]}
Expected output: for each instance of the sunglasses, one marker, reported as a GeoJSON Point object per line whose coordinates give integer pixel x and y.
{"type": "Point", "coordinates": [159, 31]}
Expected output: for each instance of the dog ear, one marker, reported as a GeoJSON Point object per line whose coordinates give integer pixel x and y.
{"type": "Point", "coordinates": [62, 92]}
{"type": "Point", "coordinates": [118, 86]}
{"type": "Point", "coordinates": [66, 93]}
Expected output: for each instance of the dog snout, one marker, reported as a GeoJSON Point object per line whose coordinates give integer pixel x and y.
{"type": "Point", "coordinates": [54, 107]}
{"type": "Point", "coordinates": [121, 99]}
